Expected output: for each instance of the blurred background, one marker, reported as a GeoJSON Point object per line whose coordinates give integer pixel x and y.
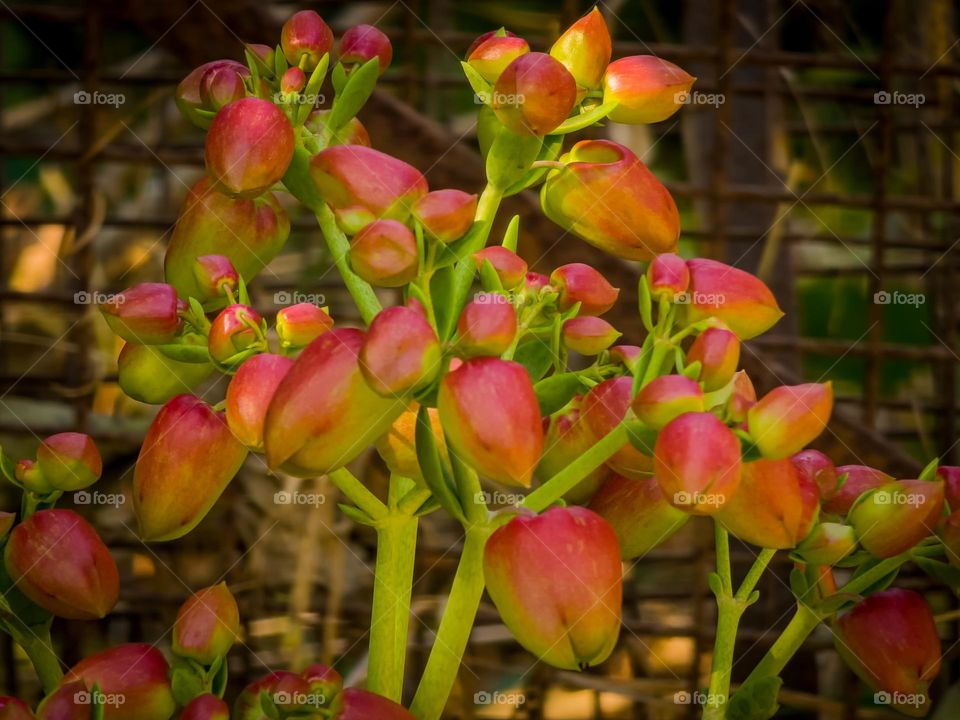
{"type": "Point", "coordinates": [818, 149]}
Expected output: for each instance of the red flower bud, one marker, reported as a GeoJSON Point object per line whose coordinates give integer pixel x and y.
{"type": "Point", "coordinates": [446, 215]}
{"type": "Point", "coordinates": [487, 326]}
{"type": "Point", "coordinates": [249, 146]}
{"type": "Point", "coordinates": [57, 560]}
{"type": "Point", "coordinates": [134, 676]}
{"type": "Point", "coordinates": [148, 376]}
{"type": "Point", "coordinates": [534, 94]}
{"type": "Point", "coordinates": [231, 332]}
{"type": "Point", "coordinates": [860, 479]}
{"type": "Point", "coordinates": [69, 461]}
{"type": "Point", "coordinates": [890, 641]}
{"type": "Point", "coordinates": [188, 94]}
{"type": "Point", "coordinates": [567, 438]}
{"type": "Point", "coordinates": [718, 352]}
{"type": "Point", "coordinates": [384, 253]}
{"type": "Point", "coordinates": [70, 701]}
{"type": "Point", "coordinates": [534, 282]}
{"type": "Point", "coordinates": [248, 232]}
{"type": "Point", "coordinates": [774, 506]}
{"type": "Point", "coordinates": [215, 275]}
{"type": "Point", "coordinates": [492, 52]}
{"type": "Point", "coordinates": [282, 688]}
{"type": "Point", "coordinates": [206, 707]}
{"type": "Point", "coordinates": [626, 355]}
{"type": "Point", "coordinates": [668, 276]}
{"type": "Point", "coordinates": [28, 474]}
{"type": "Point", "coordinates": [743, 397]}
{"type": "Point", "coordinates": [356, 704]}
{"type": "Point", "coordinates": [324, 413]}
{"type": "Point", "coordinates": [350, 176]}
{"type": "Point", "coordinates": [585, 49]}
{"type": "Point", "coordinates": [510, 267]}
{"type": "Point", "coordinates": [362, 43]}
{"type": "Point", "coordinates": [401, 352]}
{"type": "Point", "coordinates": [13, 709]}
{"type": "Point", "coordinates": [490, 415]}
{"type": "Point", "coordinates": [556, 580]}
{"type": "Point", "coordinates": [249, 394]}
{"type": "Point", "coordinates": [398, 446]}
{"type": "Point", "coordinates": [265, 53]}
{"type": "Point", "coordinates": [305, 39]}
{"type": "Point", "coordinates": [740, 300]}
{"type": "Point", "coordinates": [648, 89]}
{"type": "Point", "coordinates": [603, 408]}
{"type": "Point", "coordinates": [638, 513]}
{"type": "Point", "coordinates": [666, 397]}
{"type": "Point", "coordinates": [186, 461]}
{"type": "Point", "coordinates": [294, 80]}
{"type": "Point", "coordinates": [696, 460]}
{"type": "Point", "coordinates": [827, 544]}
{"type": "Point", "coordinates": [607, 196]}
{"type": "Point", "coordinates": [323, 679]}
{"type": "Point", "coordinates": [789, 417]}
{"type": "Point", "coordinates": [353, 133]}
{"type": "Point", "coordinates": [893, 518]}
{"type": "Point", "coordinates": [951, 485]}
{"type": "Point", "coordinates": [818, 468]}
{"type": "Point", "coordinates": [144, 314]}
{"type": "Point", "coordinates": [589, 335]}
{"type": "Point", "coordinates": [222, 85]}
{"type": "Point", "coordinates": [301, 324]}
{"type": "Point", "coordinates": [580, 283]}
{"type": "Point", "coordinates": [207, 625]}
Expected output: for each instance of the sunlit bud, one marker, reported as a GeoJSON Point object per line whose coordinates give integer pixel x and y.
{"type": "Point", "coordinates": [535, 281]}
{"type": "Point", "coordinates": [357, 704]}
{"type": "Point", "coordinates": [603, 408]}
{"type": "Point", "coordinates": [28, 474]}
{"type": "Point", "coordinates": [56, 559]}
{"type": "Point", "coordinates": [353, 133]}
{"type": "Point", "coordinates": [401, 352]}
{"type": "Point", "coordinates": [148, 376]}
{"type": "Point", "coordinates": [249, 394]}
{"type": "Point", "coordinates": [305, 39]}
{"type": "Point", "coordinates": [487, 326]}
{"type": "Point", "coordinates": [534, 94]}
{"type": "Point", "coordinates": [605, 195]}
{"type": "Point", "coordinates": [220, 86]}
{"type": "Point", "coordinates": [666, 397]}
{"type": "Point", "coordinates": [567, 438]}
{"type": "Point", "coordinates": [491, 418]}
{"type": "Point", "coordinates": [647, 88]}
{"type": "Point", "coordinates": [490, 53]}
{"type": "Point", "coordinates": [556, 581]}
{"type": "Point", "coordinates": [215, 275]}
{"type": "Point", "coordinates": [740, 300]}
{"type": "Point", "coordinates": [144, 314]}
{"type": "Point", "coordinates": [696, 460]}
{"type": "Point", "coordinates": [294, 80]}
{"type": "Point", "coordinates": [446, 215]}
{"type": "Point", "coordinates": [365, 42]}
{"type": "Point", "coordinates": [789, 417]}
{"type": "Point", "coordinates": [827, 544]}
{"type": "Point", "coordinates": [718, 352]}
{"type": "Point", "coordinates": [510, 267]}
{"type": "Point", "coordinates": [186, 461]}
{"type": "Point", "coordinates": [585, 49]}
{"type": "Point", "coordinates": [890, 641]}
{"type": "Point", "coordinates": [580, 283]}
{"type": "Point", "coordinates": [301, 324]}
{"type": "Point", "coordinates": [893, 518]}
{"type": "Point", "coordinates": [859, 480]}
{"type": "Point", "coordinates": [742, 398]}
{"type": "Point", "coordinates": [69, 461]}
{"type": "Point", "coordinates": [206, 707]}
{"type": "Point", "coordinates": [207, 625]}
{"type": "Point", "coordinates": [626, 355]}
{"type": "Point", "coordinates": [589, 335]}
{"type": "Point", "coordinates": [816, 466]}
{"type": "Point", "coordinates": [232, 331]}
{"type": "Point", "coordinates": [398, 446]}
{"type": "Point", "coordinates": [188, 94]}
{"type": "Point", "coordinates": [668, 276]}
{"type": "Point", "coordinates": [384, 253]}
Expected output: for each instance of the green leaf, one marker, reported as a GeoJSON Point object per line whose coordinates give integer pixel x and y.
{"type": "Point", "coordinates": [535, 357]}
{"type": "Point", "coordinates": [641, 436]}
{"type": "Point", "coordinates": [338, 77]}
{"type": "Point", "coordinates": [481, 88]}
{"type": "Point", "coordinates": [554, 392]}
{"type": "Point", "coordinates": [929, 472]}
{"type": "Point", "coordinates": [512, 234]}
{"type": "Point", "coordinates": [356, 514]}
{"type": "Point", "coordinates": [692, 371]}
{"type": "Point", "coordinates": [185, 353]}
{"type": "Point", "coordinates": [441, 290]}
{"type": "Point", "coordinates": [552, 145]}
{"type": "Point", "coordinates": [219, 673]}
{"type": "Point", "coordinates": [279, 62]}
{"type": "Point", "coordinates": [940, 571]}
{"type": "Point", "coordinates": [7, 467]}
{"type": "Point", "coordinates": [185, 682]}
{"type": "Point", "coordinates": [586, 119]}
{"type": "Point", "coordinates": [312, 89]}
{"type": "Point", "coordinates": [646, 303]}
{"type": "Point", "coordinates": [434, 474]}
{"type": "Point", "coordinates": [755, 700]}
{"type": "Point", "coordinates": [489, 280]}
{"type": "Point", "coordinates": [355, 93]}
{"type": "Point", "coordinates": [798, 583]}
{"type": "Point", "coordinates": [881, 584]}
{"type": "Point", "coordinates": [510, 157]}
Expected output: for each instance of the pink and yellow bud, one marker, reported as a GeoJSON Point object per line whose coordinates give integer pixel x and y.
{"type": "Point", "coordinates": [774, 506]}
{"type": "Point", "coordinates": [567, 438]}
{"type": "Point", "coordinates": [820, 469]}
{"type": "Point", "coordinates": [604, 407]}
{"type": "Point", "coordinates": [790, 417]}
{"type": "Point", "coordinates": [28, 474]}
{"type": "Point", "coordinates": [580, 283]}
{"type": "Point", "coordinates": [742, 398]}
{"type": "Point", "coordinates": [221, 86]}
{"type": "Point", "coordinates": [718, 352]}
{"type": "Point", "coordinates": [353, 133]}
{"type": "Point", "coordinates": [324, 413]}
{"type": "Point", "coordinates": [605, 195]}
{"type": "Point", "coordinates": [859, 479]}
{"type": "Point", "coordinates": [190, 98]}
{"type": "Point", "coordinates": [56, 559]}
{"type": "Point", "coordinates": [401, 352]}
{"type": "Point", "coordinates": [647, 88]}
{"type": "Point", "coordinates": [144, 314]}
{"type": "Point", "coordinates": [487, 326]}
{"type": "Point", "coordinates": [148, 376]}
{"type": "Point", "coordinates": [305, 38]}
{"type": "Point", "coordinates": [589, 335]}
{"type": "Point", "coordinates": [585, 49]}
{"type": "Point", "coordinates": [187, 459]}
{"type": "Point", "coordinates": [249, 394]}
{"type": "Point", "coordinates": [626, 355]}
{"type": "Point", "coordinates": [446, 215]}
{"type": "Point", "coordinates": [556, 581]}
{"type": "Point", "coordinates": [281, 688]}
{"type": "Point", "coordinates": [491, 418]}
{"type": "Point", "coordinates": [492, 52]}
{"type": "Point", "coordinates": [301, 324]}
{"type": "Point", "coordinates": [207, 625]}
{"type": "Point", "coordinates": [233, 331]}
{"type": "Point", "coordinates": [893, 518]}
{"type": "Point", "coordinates": [668, 276]}
{"type": "Point", "coordinates": [510, 267]}
{"type": "Point", "coordinates": [362, 43]}
{"type": "Point", "coordinates": [215, 276]}
{"type": "Point", "coordinates": [69, 461]}
{"type": "Point", "coordinates": [324, 680]}
{"type": "Point", "coordinates": [665, 398]}
{"type": "Point", "coordinates": [534, 94]}
{"type": "Point", "coordinates": [206, 707]}
{"type": "Point", "coordinates": [890, 641]}
{"type": "Point", "coordinates": [740, 300]}
{"type": "Point", "coordinates": [639, 514]}
{"type": "Point", "coordinates": [696, 460]}
{"type": "Point", "coordinates": [535, 282]}
{"type": "Point", "coordinates": [398, 446]}
{"type": "Point", "coordinates": [293, 81]}
{"type": "Point", "coordinates": [384, 253]}
{"type": "Point", "coordinates": [827, 544]}
{"type": "Point", "coordinates": [357, 704]}
{"type": "Point", "coordinates": [137, 672]}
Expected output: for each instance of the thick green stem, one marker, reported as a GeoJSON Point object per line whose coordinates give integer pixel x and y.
{"type": "Point", "coordinates": [455, 627]}
{"type": "Point", "coordinates": [339, 246]}
{"type": "Point", "coordinates": [38, 646]}
{"type": "Point", "coordinates": [793, 636]}
{"type": "Point", "coordinates": [358, 493]}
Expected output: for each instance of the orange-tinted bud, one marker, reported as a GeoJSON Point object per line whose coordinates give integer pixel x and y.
{"type": "Point", "coordinates": [534, 94]}
{"type": "Point", "coordinates": [28, 474]}
{"type": "Point", "coordinates": [188, 94]}
{"type": "Point", "coordinates": [718, 352]}
{"type": "Point", "coordinates": [294, 80]}
{"type": "Point", "coordinates": [206, 707]}
{"type": "Point", "coordinates": [585, 49]}
{"type": "Point", "coordinates": [148, 376]}
{"type": "Point", "coordinates": [249, 394]}
{"type": "Point", "coordinates": [818, 468]}
{"type": "Point", "coordinates": [398, 446]}
{"type": "Point", "coordinates": [207, 625]}
{"type": "Point", "coordinates": [666, 397]}
{"type": "Point", "coordinates": [362, 43]}
{"type": "Point", "coordinates": [401, 352]}
{"type": "Point", "coordinates": [626, 355]}
{"type": "Point", "coordinates": [384, 253]}
{"type": "Point", "coordinates": [567, 438]}
{"type": "Point", "coordinates": [580, 283]}
{"type": "Point", "coordinates": [231, 332]}
{"type": "Point", "coordinates": [668, 276]}
{"type": "Point", "coordinates": [893, 518]}
{"type": "Point", "coordinates": [144, 314]}
{"type": "Point", "coordinates": [305, 38]}
{"type": "Point", "coordinates": [491, 53]}
{"type": "Point", "coordinates": [827, 544]}
{"type": "Point", "coordinates": [743, 397]}
{"type": "Point", "coordinates": [301, 324]}
{"type": "Point", "coordinates": [589, 335]}
{"type": "Point", "coordinates": [222, 85]}
{"type": "Point", "coordinates": [353, 133]}
{"type": "Point", "coordinates": [446, 215]}
{"type": "Point", "coordinates": [510, 267]}
{"type": "Point", "coordinates": [648, 88]}
{"type": "Point", "coordinates": [740, 300]}
{"type": "Point", "coordinates": [356, 704]}
{"type": "Point", "coordinates": [534, 282]}
{"type": "Point", "coordinates": [860, 479]}
{"type": "Point", "coordinates": [487, 326]}
{"type": "Point", "coordinates": [603, 408]}
{"type": "Point", "coordinates": [69, 461]}
{"type": "Point", "coordinates": [215, 275]}
{"type": "Point", "coordinates": [789, 417]}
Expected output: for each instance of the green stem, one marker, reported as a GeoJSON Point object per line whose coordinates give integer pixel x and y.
{"type": "Point", "coordinates": [357, 493]}
{"type": "Point", "coordinates": [454, 632]}
{"type": "Point", "coordinates": [793, 636]}
{"type": "Point", "coordinates": [339, 246]}
{"type": "Point", "coordinates": [38, 646]}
